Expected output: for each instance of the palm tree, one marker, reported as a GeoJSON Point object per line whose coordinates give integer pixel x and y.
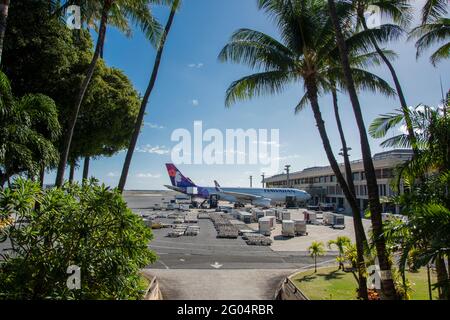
{"type": "Point", "coordinates": [307, 54]}
{"type": "Point", "coordinates": [433, 9]}
{"type": "Point", "coordinates": [151, 85]}
{"type": "Point", "coordinates": [4, 6]}
{"type": "Point", "coordinates": [431, 33]}
{"type": "Point", "coordinates": [400, 12]}
{"type": "Point", "coordinates": [137, 11]}
{"type": "Point", "coordinates": [29, 128]}
{"type": "Point", "coordinates": [388, 287]}
{"type": "Point", "coordinates": [316, 249]}
{"type": "Point", "coordinates": [341, 243]}
{"type": "Point", "coordinates": [426, 203]}
{"type": "Point", "coordinates": [43, 115]}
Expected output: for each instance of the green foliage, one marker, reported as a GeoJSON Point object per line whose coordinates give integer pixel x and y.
{"type": "Point", "coordinates": [341, 243]}
{"type": "Point", "coordinates": [431, 34]}
{"type": "Point", "coordinates": [45, 56]}
{"type": "Point", "coordinates": [316, 249]}
{"type": "Point", "coordinates": [107, 115]}
{"type": "Point", "coordinates": [29, 127]}
{"type": "Point", "coordinates": [424, 237]}
{"type": "Point", "coordinates": [89, 226]}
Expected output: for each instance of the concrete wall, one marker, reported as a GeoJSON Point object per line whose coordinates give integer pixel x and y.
{"type": "Point", "coordinates": [288, 291]}
{"type": "Point", "coordinates": [153, 291]}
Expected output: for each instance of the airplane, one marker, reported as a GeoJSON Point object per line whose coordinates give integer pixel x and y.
{"type": "Point", "coordinates": [260, 197]}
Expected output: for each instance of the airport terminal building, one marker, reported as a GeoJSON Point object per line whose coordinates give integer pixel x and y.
{"type": "Point", "coordinates": [321, 184]}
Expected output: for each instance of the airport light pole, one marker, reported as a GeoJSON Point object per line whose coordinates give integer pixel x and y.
{"type": "Point", "coordinates": [344, 152]}
{"type": "Point", "coordinates": [287, 167]}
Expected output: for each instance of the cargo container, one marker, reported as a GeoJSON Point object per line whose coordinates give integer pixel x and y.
{"type": "Point", "coordinates": [265, 226]}
{"type": "Point", "coordinates": [339, 221]}
{"type": "Point", "coordinates": [288, 228]}
{"type": "Point", "coordinates": [270, 213]}
{"type": "Point", "coordinates": [273, 221]}
{"type": "Point", "coordinates": [300, 227]}
{"type": "Point", "coordinates": [245, 216]}
{"type": "Point", "coordinates": [328, 218]}
{"type": "Point", "coordinates": [286, 215]}
{"type": "Point", "coordinates": [310, 217]}
{"type": "Point", "coordinates": [184, 207]}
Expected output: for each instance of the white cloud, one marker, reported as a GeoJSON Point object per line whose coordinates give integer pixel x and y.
{"type": "Point", "coordinates": [147, 175]}
{"type": "Point", "coordinates": [153, 149]}
{"type": "Point", "coordinates": [112, 174]}
{"type": "Point", "coordinates": [153, 125]}
{"type": "Point", "coordinates": [196, 65]}
{"type": "Point", "coordinates": [195, 102]}
{"type": "Point", "coordinates": [265, 156]}
{"type": "Point", "coordinates": [268, 143]}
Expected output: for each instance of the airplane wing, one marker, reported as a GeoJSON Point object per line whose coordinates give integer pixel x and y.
{"type": "Point", "coordinates": [178, 189]}
{"type": "Point", "coordinates": [243, 196]}
{"type": "Point", "coordinates": [238, 195]}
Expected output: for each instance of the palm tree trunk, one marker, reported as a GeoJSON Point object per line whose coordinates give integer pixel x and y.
{"type": "Point", "coordinates": [313, 98]}
{"type": "Point", "coordinates": [72, 171]}
{"type": "Point", "coordinates": [73, 118]}
{"type": "Point", "coordinates": [398, 87]}
{"type": "Point", "coordinates": [430, 294]}
{"type": "Point", "coordinates": [4, 6]}
{"type": "Point", "coordinates": [315, 264]}
{"type": "Point", "coordinates": [442, 278]}
{"type": "Point", "coordinates": [348, 168]}
{"type": "Point", "coordinates": [41, 176]}
{"type": "Point", "coordinates": [360, 236]}
{"type": "Point", "coordinates": [86, 168]}
{"type": "Point", "coordinates": [151, 84]}
{"type": "Point", "coordinates": [388, 287]}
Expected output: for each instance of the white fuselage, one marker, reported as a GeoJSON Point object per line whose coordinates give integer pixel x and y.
{"type": "Point", "coordinates": [275, 195]}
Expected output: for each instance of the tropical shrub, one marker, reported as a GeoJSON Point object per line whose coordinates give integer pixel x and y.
{"type": "Point", "coordinates": [86, 225]}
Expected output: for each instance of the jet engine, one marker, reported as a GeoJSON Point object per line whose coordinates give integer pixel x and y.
{"type": "Point", "coordinates": [265, 202]}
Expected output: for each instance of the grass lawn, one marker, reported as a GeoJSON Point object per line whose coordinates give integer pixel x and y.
{"type": "Point", "coordinates": [333, 284]}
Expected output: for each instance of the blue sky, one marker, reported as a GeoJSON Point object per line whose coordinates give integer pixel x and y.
{"type": "Point", "coordinates": [192, 83]}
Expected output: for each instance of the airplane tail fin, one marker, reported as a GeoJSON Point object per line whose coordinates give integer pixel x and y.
{"type": "Point", "coordinates": [217, 186]}
{"type": "Point", "coordinates": [177, 178]}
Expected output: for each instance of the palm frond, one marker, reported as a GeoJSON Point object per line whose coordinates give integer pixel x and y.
{"type": "Point", "coordinates": [362, 41]}
{"type": "Point", "coordinates": [430, 34]}
{"type": "Point", "coordinates": [270, 82]}
{"type": "Point", "coordinates": [440, 54]}
{"type": "Point", "coordinates": [381, 125]}
{"type": "Point", "coordinates": [303, 103]}
{"type": "Point", "coordinates": [365, 80]}
{"type": "Point", "coordinates": [398, 141]}
{"type": "Point", "coordinates": [434, 9]}
{"type": "Point", "coordinates": [257, 50]}
{"type": "Point", "coordinates": [400, 11]}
